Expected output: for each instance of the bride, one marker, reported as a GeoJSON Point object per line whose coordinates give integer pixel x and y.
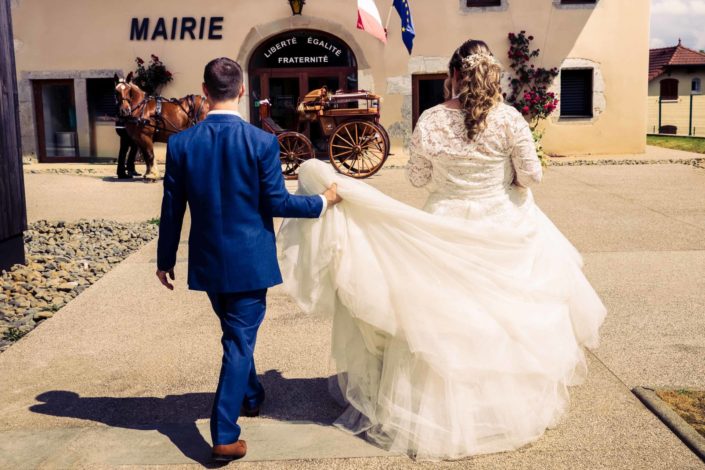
{"type": "Point", "coordinates": [457, 329]}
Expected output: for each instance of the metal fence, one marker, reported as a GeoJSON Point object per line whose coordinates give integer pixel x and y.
{"type": "Point", "coordinates": [684, 116]}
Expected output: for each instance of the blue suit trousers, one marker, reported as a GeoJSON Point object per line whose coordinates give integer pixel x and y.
{"type": "Point", "coordinates": [240, 316]}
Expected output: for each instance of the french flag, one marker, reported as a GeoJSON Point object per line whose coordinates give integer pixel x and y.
{"type": "Point", "coordinates": [368, 19]}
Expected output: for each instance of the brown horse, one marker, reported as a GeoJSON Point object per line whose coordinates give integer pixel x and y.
{"type": "Point", "coordinates": [152, 119]}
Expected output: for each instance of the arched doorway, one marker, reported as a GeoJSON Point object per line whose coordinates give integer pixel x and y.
{"type": "Point", "coordinates": [288, 65]}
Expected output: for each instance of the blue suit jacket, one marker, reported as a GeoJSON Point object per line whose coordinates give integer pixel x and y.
{"type": "Point", "coordinates": [229, 174]}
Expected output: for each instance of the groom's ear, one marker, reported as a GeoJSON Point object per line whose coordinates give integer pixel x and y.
{"type": "Point", "coordinates": [205, 91]}
{"type": "Point", "coordinates": [242, 91]}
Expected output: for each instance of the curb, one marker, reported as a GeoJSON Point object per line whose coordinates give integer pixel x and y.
{"type": "Point", "coordinates": [670, 418]}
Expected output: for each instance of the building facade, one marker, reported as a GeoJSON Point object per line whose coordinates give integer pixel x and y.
{"type": "Point", "coordinates": [676, 102]}
{"type": "Point", "coordinates": [67, 53]}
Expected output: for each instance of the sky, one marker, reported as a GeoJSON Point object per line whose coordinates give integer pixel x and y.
{"type": "Point", "coordinates": [673, 19]}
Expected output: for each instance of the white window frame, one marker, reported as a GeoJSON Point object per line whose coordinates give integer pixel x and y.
{"type": "Point", "coordinates": [696, 90]}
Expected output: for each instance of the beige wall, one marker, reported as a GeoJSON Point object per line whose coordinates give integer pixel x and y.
{"type": "Point", "coordinates": [677, 112]}
{"type": "Point", "coordinates": [91, 35]}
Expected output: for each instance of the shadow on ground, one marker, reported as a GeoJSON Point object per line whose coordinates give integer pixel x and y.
{"type": "Point", "coordinates": [115, 179]}
{"type": "Point", "coordinates": [175, 416]}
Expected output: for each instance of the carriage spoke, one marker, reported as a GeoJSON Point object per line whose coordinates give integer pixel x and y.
{"type": "Point", "coordinates": [340, 136]}
{"type": "Point", "coordinates": [351, 137]}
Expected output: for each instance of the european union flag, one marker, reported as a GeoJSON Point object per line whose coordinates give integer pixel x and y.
{"type": "Point", "coordinates": [408, 33]}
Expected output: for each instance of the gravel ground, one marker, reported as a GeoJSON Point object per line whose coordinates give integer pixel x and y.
{"type": "Point", "coordinates": [63, 260]}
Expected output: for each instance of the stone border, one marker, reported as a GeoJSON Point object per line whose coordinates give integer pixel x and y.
{"type": "Point", "coordinates": [553, 161]}
{"type": "Point", "coordinates": [670, 418]}
{"type": "Point", "coordinates": [695, 162]}
{"type": "Point", "coordinates": [26, 102]}
{"type": "Point", "coordinates": [599, 100]}
{"type": "Point", "coordinates": [466, 10]}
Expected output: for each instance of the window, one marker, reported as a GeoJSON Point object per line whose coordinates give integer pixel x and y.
{"type": "Point", "coordinates": [696, 86]}
{"type": "Point", "coordinates": [484, 3]}
{"type": "Point", "coordinates": [102, 104]}
{"type": "Point", "coordinates": [669, 89]}
{"type": "Point", "coordinates": [576, 93]}
{"type": "Point", "coordinates": [578, 2]}
{"type": "Point", "coordinates": [427, 91]}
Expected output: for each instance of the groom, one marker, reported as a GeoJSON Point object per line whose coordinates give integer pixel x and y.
{"type": "Point", "coordinates": [229, 173]}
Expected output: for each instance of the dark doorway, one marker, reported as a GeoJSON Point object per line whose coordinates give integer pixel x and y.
{"type": "Point", "coordinates": [284, 92]}
{"type": "Point", "coordinates": [284, 68]}
{"type": "Point", "coordinates": [55, 111]}
{"type": "Point", "coordinates": [428, 90]}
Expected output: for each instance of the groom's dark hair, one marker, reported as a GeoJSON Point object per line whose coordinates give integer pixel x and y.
{"type": "Point", "coordinates": [223, 79]}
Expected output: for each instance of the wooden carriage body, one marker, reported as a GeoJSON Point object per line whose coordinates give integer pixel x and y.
{"type": "Point", "coordinates": [342, 127]}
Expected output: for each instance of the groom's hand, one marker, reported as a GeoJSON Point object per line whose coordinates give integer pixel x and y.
{"type": "Point", "coordinates": [162, 275]}
{"type": "Point", "coordinates": [331, 195]}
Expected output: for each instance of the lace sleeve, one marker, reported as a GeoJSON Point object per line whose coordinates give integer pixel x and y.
{"type": "Point", "coordinates": [524, 158]}
{"type": "Point", "coordinates": [419, 170]}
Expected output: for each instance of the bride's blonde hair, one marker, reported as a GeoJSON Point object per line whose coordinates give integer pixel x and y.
{"type": "Point", "coordinates": [480, 87]}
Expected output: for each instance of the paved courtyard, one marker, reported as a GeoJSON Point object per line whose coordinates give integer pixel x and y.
{"type": "Point", "coordinates": [124, 375]}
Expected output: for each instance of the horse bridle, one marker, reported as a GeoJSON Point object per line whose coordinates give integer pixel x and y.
{"type": "Point", "coordinates": [120, 100]}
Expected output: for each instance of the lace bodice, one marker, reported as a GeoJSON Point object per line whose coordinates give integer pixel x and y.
{"type": "Point", "coordinates": [453, 166]}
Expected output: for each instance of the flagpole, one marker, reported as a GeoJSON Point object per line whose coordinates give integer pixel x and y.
{"type": "Point", "coordinates": [389, 17]}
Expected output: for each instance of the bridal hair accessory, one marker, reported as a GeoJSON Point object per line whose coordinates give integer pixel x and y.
{"type": "Point", "coordinates": [473, 60]}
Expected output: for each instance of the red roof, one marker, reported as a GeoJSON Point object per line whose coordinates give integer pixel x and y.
{"type": "Point", "coordinates": [662, 59]}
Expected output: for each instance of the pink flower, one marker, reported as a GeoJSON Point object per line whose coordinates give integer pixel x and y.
{"type": "Point", "coordinates": [525, 110]}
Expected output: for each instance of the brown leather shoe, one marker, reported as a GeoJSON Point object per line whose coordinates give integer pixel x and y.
{"type": "Point", "coordinates": [229, 452]}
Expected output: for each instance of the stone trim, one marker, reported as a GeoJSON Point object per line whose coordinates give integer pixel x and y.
{"type": "Point", "coordinates": [575, 6]}
{"type": "Point", "coordinates": [599, 101]}
{"type": "Point", "coordinates": [260, 33]}
{"type": "Point", "coordinates": [402, 85]}
{"type": "Point", "coordinates": [26, 102]}
{"type": "Point", "coordinates": [465, 9]}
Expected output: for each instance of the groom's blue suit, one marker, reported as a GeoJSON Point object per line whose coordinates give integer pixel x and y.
{"type": "Point", "coordinates": [229, 174]}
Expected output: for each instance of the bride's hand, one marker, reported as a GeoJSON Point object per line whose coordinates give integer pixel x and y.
{"type": "Point", "coordinates": [331, 195]}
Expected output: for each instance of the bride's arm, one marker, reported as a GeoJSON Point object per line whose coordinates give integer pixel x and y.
{"type": "Point", "coordinates": [527, 165]}
{"type": "Point", "coordinates": [419, 170]}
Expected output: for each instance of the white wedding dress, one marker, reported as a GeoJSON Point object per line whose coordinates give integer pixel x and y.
{"type": "Point", "coordinates": [456, 330]}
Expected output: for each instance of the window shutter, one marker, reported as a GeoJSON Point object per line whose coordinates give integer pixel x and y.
{"type": "Point", "coordinates": [669, 89]}
{"type": "Point", "coordinates": [484, 3]}
{"type": "Point", "coordinates": [576, 93]}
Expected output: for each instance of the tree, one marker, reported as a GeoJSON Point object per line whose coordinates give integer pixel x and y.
{"type": "Point", "coordinates": [13, 213]}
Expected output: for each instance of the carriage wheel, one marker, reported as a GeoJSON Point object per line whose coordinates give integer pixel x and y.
{"type": "Point", "coordinates": [294, 149]}
{"type": "Point", "coordinates": [358, 148]}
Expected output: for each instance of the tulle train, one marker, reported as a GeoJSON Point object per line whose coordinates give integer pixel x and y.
{"type": "Point", "coordinates": [451, 337]}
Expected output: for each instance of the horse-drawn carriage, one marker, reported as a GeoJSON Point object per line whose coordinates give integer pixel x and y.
{"type": "Point", "coordinates": [343, 127]}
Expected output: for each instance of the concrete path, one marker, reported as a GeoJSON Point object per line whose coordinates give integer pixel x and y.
{"type": "Point", "coordinates": [124, 375]}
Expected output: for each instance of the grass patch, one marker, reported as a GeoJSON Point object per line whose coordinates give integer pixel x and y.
{"type": "Point", "coordinates": [689, 404]}
{"type": "Point", "coordinates": [154, 221]}
{"type": "Point", "coordinates": [689, 144]}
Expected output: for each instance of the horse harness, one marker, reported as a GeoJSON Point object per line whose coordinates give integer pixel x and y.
{"type": "Point", "coordinates": [161, 121]}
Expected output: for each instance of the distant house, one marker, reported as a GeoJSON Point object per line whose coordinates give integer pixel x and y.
{"type": "Point", "coordinates": [676, 101]}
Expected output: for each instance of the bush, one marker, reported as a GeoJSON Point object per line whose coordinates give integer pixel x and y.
{"type": "Point", "coordinates": [152, 77]}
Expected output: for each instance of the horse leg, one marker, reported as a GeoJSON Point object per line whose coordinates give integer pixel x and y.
{"type": "Point", "coordinates": [152, 173]}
